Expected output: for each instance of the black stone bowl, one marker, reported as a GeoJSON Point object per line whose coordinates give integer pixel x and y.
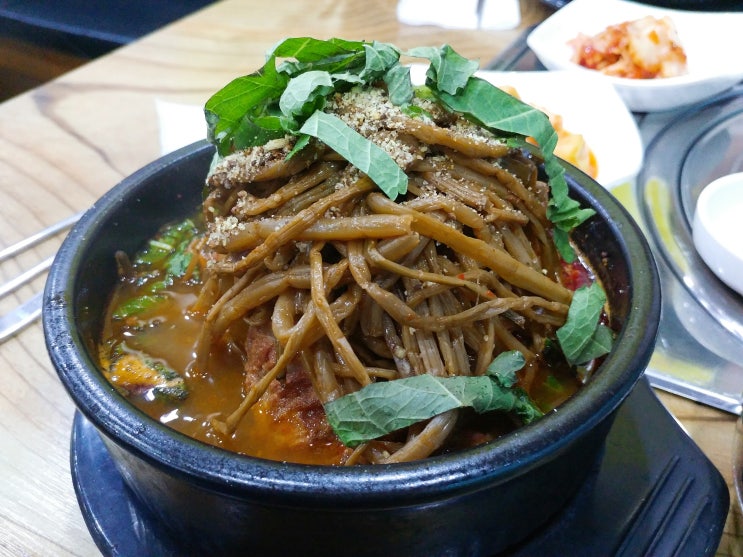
{"type": "Point", "coordinates": [475, 502]}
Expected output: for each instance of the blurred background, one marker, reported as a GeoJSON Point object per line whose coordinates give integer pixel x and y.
{"type": "Point", "coordinates": [41, 39]}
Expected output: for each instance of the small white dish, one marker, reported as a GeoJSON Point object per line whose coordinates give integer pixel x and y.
{"type": "Point", "coordinates": [717, 229]}
{"type": "Point", "coordinates": [711, 40]}
{"type": "Point", "coordinates": [588, 106]}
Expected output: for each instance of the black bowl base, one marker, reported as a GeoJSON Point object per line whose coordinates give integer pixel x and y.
{"type": "Point", "coordinates": [653, 493]}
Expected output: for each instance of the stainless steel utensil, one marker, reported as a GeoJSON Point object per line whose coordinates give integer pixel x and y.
{"type": "Point", "coordinates": [29, 310]}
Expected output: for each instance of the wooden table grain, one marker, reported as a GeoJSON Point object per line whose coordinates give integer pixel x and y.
{"type": "Point", "coordinates": [67, 142]}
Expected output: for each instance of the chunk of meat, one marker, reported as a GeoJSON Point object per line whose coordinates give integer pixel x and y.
{"type": "Point", "coordinates": [289, 413]}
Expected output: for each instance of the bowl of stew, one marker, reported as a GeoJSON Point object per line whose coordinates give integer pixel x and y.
{"type": "Point", "coordinates": [259, 340]}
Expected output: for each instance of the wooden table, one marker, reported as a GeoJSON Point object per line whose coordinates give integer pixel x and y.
{"type": "Point", "coordinates": [64, 144]}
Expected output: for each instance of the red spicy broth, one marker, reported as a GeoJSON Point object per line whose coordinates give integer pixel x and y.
{"type": "Point", "coordinates": [288, 422]}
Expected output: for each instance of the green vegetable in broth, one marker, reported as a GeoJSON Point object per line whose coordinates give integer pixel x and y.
{"type": "Point", "coordinates": [134, 373]}
{"type": "Point", "coordinates": [144, 303]}
{"type": "Point", "coordinates": [156, 267]}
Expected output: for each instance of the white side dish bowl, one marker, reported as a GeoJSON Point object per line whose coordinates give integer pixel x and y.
{"type": "Point", "coordinates": [718, 229]}
{"type": "Point", "coordinates": [588, 106]}
{"type": "Point", "coordinates": [711, 40]}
